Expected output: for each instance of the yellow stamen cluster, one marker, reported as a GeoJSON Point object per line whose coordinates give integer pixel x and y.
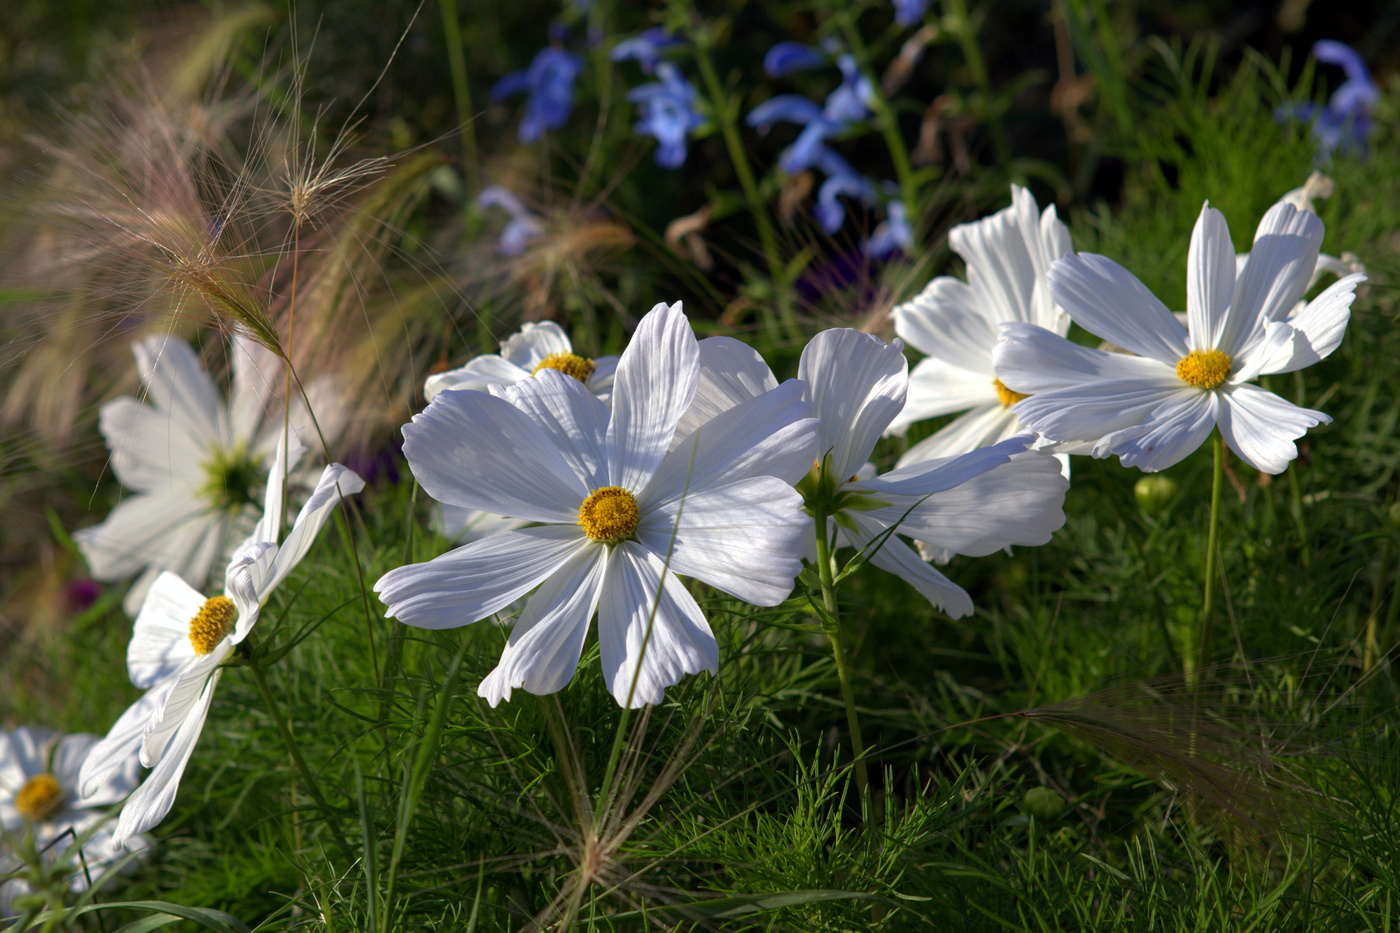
{"type": "Point", "coordinates": [609, 514]}
{"type": "Point", "coordinates": [211, 623]}
{"type": "Point", "coordinates": [570, 364]}
{"type": "Point", "coordinates": [1204, 369]}
{"type": "Point", "coordinates": [1008, 397]}
{"type": "Point", "coordinates": [39, 797]}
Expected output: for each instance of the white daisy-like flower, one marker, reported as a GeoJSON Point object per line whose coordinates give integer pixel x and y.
{"type": "Point", "coordinates": [1154, 408]}
{"type": "Point", "coordinates": [192, 462]}
{"type": "Point", "coordinates": [954, 324]}
{"type": "Point", "coordinates": [538, 346]}
{"type": "Point", "coordinates": [40, 789]}
{"type": "Point", "coordinates": [181, 640]}
{"type": "Point", "coordinates": [973, 504]}
{"type": "Point", "coordinates": [618, 516]}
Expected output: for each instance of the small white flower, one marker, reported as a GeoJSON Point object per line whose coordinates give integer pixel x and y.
{"type": "Point", "coordinates": [191, 461]}
{"type": "Point", "coordinates": [537, 347]}
{"type": "Point", "coordinates": [1155, 408]}
{"type": "Point", "coordinates": [973, 504]}
{"type": "Point", "coordinates": [618, 515]}
{"type": "Point", "coordinates": [954, 324]}
{"type": "Point", "coordinates": [181, 640]}
{"type": "Point", "coordinates": [39, 788]}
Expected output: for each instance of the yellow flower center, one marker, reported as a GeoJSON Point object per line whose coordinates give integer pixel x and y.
{"type": "Point", "coordinates": [39, 797]}
{"type": "Point", "coordinates": [570, 364]}
{"type": "Point", "coordinates": [212, 623]}
{"type": "Point", "coordinates": [1008, 397]}
{"type": "Point", "coordinates": [609, 514]}
{"type": "Point", "coordinates": [1204, 369]}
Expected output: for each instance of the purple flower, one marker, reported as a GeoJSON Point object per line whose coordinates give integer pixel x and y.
{"type": "Point", "coordinates": [549, 81]}
{"type": "Point", "coordinates": [841, 179]}
{"type": "Point", "coordinates": [668, 113]}
{"type": "Point", "coordinates": [523, 225]}
{"type": "Point", "coordinates": [909, 12]}
{"type": "Point", "coordinates": [80, 593]}
{"type": "Point", "coordinates": [894, 233]}
{"type": "Point", "coordinates": [646, 48]}
{"type": "Point", "coordinates": [844, 106]}
{"type": "Point", "coordinates": [787, 57]}
{"type": "Point", "coordinates": [1345, 122]}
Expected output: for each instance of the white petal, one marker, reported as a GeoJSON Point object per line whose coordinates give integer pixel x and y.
{"type": "Point", "coordinates": [1210, 280]}
{"type": "Point", "coordinates": [25, 754]}
{"type": "Point", "coordinates": [999, 265]}
{"type": "Point", "coordinates": [180, 699]}
{"type": "Point", "coordinates": [926, 477]}
{"type": "Point", "coordinates": [257, 377]}
{"type": "Point", "coordinates": [1095, 408]}
{"type": "Point", "coordinates": [1050, 241]}
{"type": "Point", "coordinates": [600, 383]}
{"type": "Point", "coordinates": [535, 341]}
{"type": "Point", "coordinates": [542, 654]}
{"type": "Point", "coordinates": [269, 526]}
{"type": "Point", "coordinates": [1261, 427]}
{"type": "Point", "coordinates": [478, 374]}
{"type": "Point", "coordinates": [1318, 327]}
{"type": "Point", "coordinates": [476, 451]}
{"type": "Point", "coordinates": [648, 644]}
{"type": "Point", "coordinates": [109, 759]}
{"type": "Point", "coordinates": [336, 483]}
{"type": "Point", "coordinates": [939, 388]}
{"type": "Point", "coordinates": [176, 383]}
{"type": "Point", "coordinates": [1032, 359]}
{"type": "Point", "coordinates": [69, 757]}
{"type": "Point", "coordinates": [1107, 300]}
{"type": "Point", "coordinates": [1281, 264]}
{"type": "Point", "coordinates": [160, 639]}
{"type": "Point", "coordinates": [980, 427]}
{"type": "Point", "coordinates": [464, 526]}
{"type": "Point", "coordinates": [654, 385]}
{"type": "Point", "coordinates": [571, 416]}
{"type": "Point", "coordinates": [857, 384]}
{"type": "Point", "coordinates": [731, 372]}
{"type": "Point", "coordinates": [1018, 502]}
{"type": "Point", "coordinates": [154, 798]}
{"type": "Point", "coordinates": [145, 529]}
{"type": "Point", "coordinates": [1169, 435]}
{"type": "Point", "coordinates": [745, 538]}
{"type": "Point", "coordinates": [771, 435]}
{"type": "Point", "coordinates": [896, 557]}
{"type": "Point", "coordinates": [244, 582]}
{"type": "Point", "coordinates": [947, 322]}
{"type": "Point", "coordinates": [151, 451]}
{"type": "Point", "coordinates": [477, 579]}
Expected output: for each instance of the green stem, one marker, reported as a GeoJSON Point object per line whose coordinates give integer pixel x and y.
{"type": "Point", "coordinates": [461, 90]}
{"type": "Point", "coordinates": [889, 126]}
{"type": "Point", "coordinates": [1212, 546]}
{"type": "Point", "coordinates": [832, 625]}
{"type": "Point", "coordinates": [270, 702]}
{"type": "Point", "coordinates": [1295, 494]}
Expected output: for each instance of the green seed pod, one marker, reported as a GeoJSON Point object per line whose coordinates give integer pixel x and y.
{"type": "Point", "coordinates": [1154, 492]}
{"type": "Point", "coordinates": [1394, 514]}
{"type": "Point", "coordinates": [1043, 803]}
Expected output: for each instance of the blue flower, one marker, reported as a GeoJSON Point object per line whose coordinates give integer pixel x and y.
{"type": "Point", "coordinates": [645, 49]}
{"type": "Point", "coordinates": [909, 12]}
{"type": "Point", "coordinates": [550, 83]}
{"type": "Point", "coordinates": [787, 57]}
{"type": "Point", "coordinates": [841, 179]}
{"type": "Point", "coordinates": [523, 226]}
{"type": "Point", "coordinates": [893, 233]}
{"type": "Point", "coordinates": [844, 106]}
{"type": "Point", "coordinates": [668, 113]}
{"type": "Point", "coordinates": [1345, 122]}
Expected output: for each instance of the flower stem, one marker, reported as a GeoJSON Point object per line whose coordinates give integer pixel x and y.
{"type": "Point", "coordinates": [832, 624]}
{"type": "Point", "coordinates": [1212, 546]}
{"type": "Point", "coordinates": [461, 90]}
{"type": "Point", "coordinates": [270, 702]}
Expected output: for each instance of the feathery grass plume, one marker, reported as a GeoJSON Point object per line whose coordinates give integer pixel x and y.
{"type": "Point", "coordinates": [1245, 774]}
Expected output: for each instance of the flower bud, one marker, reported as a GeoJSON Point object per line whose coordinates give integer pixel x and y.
{"type": "Point", "coordinates": [1394, 514]}
{"type": "Point", "coordinates": [1043, 803]}
{"type": "Point", "coordinates": [1154, 492]}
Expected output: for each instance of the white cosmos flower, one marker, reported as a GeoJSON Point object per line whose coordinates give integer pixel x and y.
{"type": "Point", "coordinates": [610, 505]}
{"type": "Point", "coordinates": [973, 504]}
{"type": "Point", "coordinates": [954, 324]}
{"type": "Point", "coordinates": [39, 788]}
{"type": "Point", "coordinates": [536, 347]}
{"type": "Point", "coordinates": [181, 640]}
{"type": "Point", "coordinates": [1155, 408]}
{"type": "Point", "coordinates": [191, 461]}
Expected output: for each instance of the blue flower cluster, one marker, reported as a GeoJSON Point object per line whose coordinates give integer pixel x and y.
{"type": "Point", "coordinates": [1345, 121]}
